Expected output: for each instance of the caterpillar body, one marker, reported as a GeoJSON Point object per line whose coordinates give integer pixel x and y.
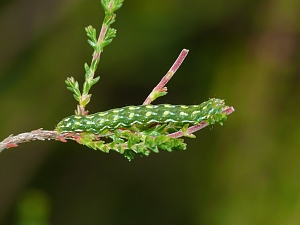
{"type": "Point", "coordinates": [143, 115]}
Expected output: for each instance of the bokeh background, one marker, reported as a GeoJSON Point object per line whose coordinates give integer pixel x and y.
{"type": "Point", "coordinates": [244, 51]}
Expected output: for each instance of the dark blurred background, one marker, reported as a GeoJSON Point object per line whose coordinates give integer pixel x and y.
{"type": "Point", "coordinates": [244, 51]}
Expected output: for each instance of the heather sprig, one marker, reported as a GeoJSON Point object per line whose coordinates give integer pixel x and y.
{"type": "Point", "coordinates": [105, 38]}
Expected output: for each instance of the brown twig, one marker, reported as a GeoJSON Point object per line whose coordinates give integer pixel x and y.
{"type": "Point", "coordinates": [35, 135]}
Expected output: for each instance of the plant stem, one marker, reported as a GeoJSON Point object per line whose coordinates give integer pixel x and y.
{"type": "Point", "coordinates": [160, 87]}
{"type": "Point", "coordinates": [41, 135]}
{"type": "Point", "coordinates": [195, 128]}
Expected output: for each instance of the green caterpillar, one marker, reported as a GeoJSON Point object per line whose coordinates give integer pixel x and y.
{"type": "Point", "coordinates": [210, 111]}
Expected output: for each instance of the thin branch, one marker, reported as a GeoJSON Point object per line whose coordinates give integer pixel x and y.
{"type": "Point", "coordinates": [102, 34]}
{"type": "Point", "coordinates": [37, 135]}
{"type": "Point", "coordinates": [160, 87]}
{"type": "Point", "coordinates": [96, 55]}
{"type": "Point", "coordinates": [195, 128]}
{"type": "Point", "coordinates": [41, 135]}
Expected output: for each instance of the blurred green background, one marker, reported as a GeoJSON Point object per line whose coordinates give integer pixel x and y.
{"type": "Point", "coordinates": [244, 51]}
